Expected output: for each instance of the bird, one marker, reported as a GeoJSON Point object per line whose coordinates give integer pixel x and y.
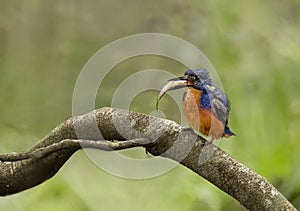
{"type": "Point", "coordinates": [205, 106]}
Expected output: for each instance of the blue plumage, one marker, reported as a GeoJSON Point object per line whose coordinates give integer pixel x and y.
{"type": "Point", "coordinates": [209, 91]}
{"type": "Point", "coordinates": [206, 107]}
{"type": "Point", "coordinates": [212, 98]}
{"type": "Point", "coordinates": [205, 100]}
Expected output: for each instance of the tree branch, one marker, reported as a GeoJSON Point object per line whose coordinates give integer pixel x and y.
{"type": "Point", "coordinates": [73, 144]}
{"type": "Point", "coordinates": [160, 137]}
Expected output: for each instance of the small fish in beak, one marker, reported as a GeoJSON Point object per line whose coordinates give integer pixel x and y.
{"type": "Point", "coordinates": [173, 84]}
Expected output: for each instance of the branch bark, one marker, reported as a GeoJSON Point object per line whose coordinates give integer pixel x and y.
{"type": "Point", "coordinates": [160, 137]}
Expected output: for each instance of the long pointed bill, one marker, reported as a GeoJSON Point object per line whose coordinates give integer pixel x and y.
{"type": "Point", "coordinates": [172, 85]}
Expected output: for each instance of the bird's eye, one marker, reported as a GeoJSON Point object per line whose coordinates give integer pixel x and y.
{"type": "Point", "coordinates": [192, 77]}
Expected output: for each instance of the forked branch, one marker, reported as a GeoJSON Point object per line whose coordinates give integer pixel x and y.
{"type": "Point", "coordinates": [114, 129]}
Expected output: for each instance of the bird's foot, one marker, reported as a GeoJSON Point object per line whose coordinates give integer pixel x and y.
{"type": "Point", "coordinates": [208, 142]}
{"type": "Point", "coordinates": [188, 129]}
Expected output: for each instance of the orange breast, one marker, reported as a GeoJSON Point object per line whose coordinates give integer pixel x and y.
{"type": "Point", "coordinates": [201, 119]}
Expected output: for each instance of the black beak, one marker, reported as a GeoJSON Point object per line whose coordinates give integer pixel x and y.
{"type": "Point", "coordinates": [178, 78]}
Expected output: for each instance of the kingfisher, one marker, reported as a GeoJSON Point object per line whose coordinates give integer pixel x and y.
{"type": "Point", "coordinates": [205, 107]}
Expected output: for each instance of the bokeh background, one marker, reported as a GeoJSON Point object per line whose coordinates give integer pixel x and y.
{"type": "Point", "coordinates": [254, 46]}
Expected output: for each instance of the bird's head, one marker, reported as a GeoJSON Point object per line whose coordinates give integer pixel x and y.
{"type": "Point", "coordinates": [197, 75]}
{"type": "Point", "coordinates": [192, 78]}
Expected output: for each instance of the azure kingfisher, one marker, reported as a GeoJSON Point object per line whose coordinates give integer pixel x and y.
{"type": "Point", "coordinates": [205, 107]}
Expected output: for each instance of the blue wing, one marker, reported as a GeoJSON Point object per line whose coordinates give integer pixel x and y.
{"type": "Point", "coordinates": [217, 101]}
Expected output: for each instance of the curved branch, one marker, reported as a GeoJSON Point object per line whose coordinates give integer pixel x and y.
{"type": "Point", "coordinates": [20, 171]}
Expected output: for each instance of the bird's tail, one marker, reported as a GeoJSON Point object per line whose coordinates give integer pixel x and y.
{"type": "Point", "coordinates": [228, 132]}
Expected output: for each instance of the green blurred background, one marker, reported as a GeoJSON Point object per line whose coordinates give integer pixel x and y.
{"type": "Point", "coordinates": [254, 46]}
